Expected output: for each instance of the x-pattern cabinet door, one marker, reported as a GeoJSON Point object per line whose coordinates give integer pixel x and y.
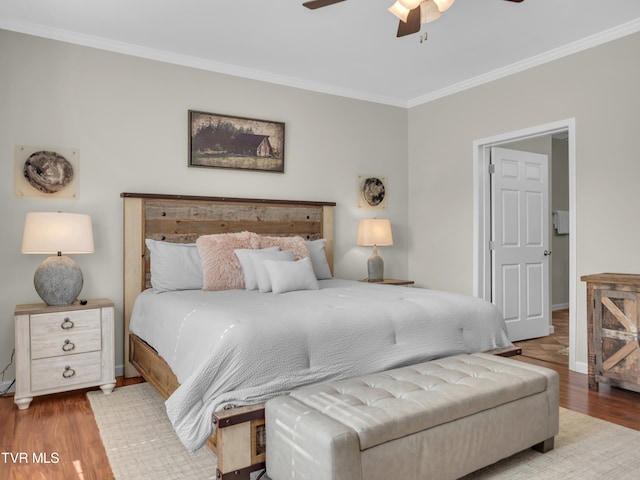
{"type": "Point", "coordinates": [616, 336]}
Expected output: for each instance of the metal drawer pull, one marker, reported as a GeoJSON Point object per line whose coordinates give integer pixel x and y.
{"type": "Point", "coordinates": [68, 372]}
{"type": "Point", "coordinates": [67, 324]}
{"type": "Point", "coordinates": [68, 346]}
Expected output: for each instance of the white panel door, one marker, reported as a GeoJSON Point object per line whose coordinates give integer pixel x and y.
{"type": "Point", "coordinates": [520, 233]}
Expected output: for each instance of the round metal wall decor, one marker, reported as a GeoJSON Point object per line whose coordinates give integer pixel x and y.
{"type": "Point", "coordinates": [48, 172]}
{"type": "Point", "coordinates": [373, 191]}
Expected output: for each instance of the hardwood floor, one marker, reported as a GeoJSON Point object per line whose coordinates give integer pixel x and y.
{"type": "Point", "coordinates": [55, 438]}
{"type": "Point", "coordinates": [553, 348]}
{"type": "Point", "coordinates": [61, 429]}
{"type": "Point", "coordinates": [612, 404]}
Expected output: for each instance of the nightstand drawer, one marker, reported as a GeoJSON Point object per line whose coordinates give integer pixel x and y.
{"type": "Point", "coordinates": [66, 343]}
{"type": "Point", "coordinates": [65, 371]}
{"type": "Point", "coordinates": [45, 324]}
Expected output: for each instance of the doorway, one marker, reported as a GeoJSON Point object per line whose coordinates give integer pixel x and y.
{"type": "Point", "coordinates": [520, 246]}
{"type": "Point", "coordinates": [482, 284]}
{"type": "Point", "coordinates": [553, 348]}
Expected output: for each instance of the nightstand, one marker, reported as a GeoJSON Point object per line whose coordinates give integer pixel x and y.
{"type": "Point", "coordinates": [390, 281]}
{"type": "Point", "coordinates": [63, 348]}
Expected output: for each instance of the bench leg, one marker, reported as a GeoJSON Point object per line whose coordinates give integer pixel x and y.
{"type": "Point", "coordinates": [544, 447]}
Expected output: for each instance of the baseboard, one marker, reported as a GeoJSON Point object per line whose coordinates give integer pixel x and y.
{"type": "Point", "coordinates": [119, 370]}
{"type": "Point", "coordinates": [559, 306]}
{"type": "Point", "coordinates": [582, 367]}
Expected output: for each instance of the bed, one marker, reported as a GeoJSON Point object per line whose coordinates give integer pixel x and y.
{"type": "Point", "coordinates": [264, 345]}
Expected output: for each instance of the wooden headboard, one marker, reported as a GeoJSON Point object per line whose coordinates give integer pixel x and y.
{"type": "Point", "coordinates": [182, 219]}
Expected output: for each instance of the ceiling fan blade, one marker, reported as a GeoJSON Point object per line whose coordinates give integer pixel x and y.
{"type": "Point", "coordinates": [517, 1]}
{"type": "Point", "coordinates": [412, 25]}
{"type": "Point", "coordinates": [313, 4]}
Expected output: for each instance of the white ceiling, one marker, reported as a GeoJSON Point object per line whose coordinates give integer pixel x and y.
{"type": "Point", "coordinates": [347, 49]}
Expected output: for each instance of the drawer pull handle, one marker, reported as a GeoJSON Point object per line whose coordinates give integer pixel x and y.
{"type": "Point", "coordinates": [68, 346]}
{"type": "Point", "coordinates": [67, 324]}
{"type": "Point", "coordinates": [68, 372]}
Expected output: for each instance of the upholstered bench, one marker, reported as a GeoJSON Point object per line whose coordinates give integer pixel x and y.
{"type": "Point", "coordinates": [435, 420]}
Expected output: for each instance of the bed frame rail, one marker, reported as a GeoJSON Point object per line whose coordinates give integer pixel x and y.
{"type": "Point", "coordinates": [238, 441]}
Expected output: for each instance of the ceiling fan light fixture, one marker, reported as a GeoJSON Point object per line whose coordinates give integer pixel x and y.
{"type": "Point", "coordinates": [400, 11]}
{"type": "Point", "coordinates": [429, 11]}
{"type": "Point", "coordinates": [443, 5]}
{"type": "Point", "coordinates": [410, 4]}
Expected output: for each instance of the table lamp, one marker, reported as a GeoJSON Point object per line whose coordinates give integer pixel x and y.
{"type": "Point", "coordinates": [375, 232]}
{"type": "Point", "coordinates": [58, 280]}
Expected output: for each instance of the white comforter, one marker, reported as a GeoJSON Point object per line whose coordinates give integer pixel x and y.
{"type": "Point", "coordinates": [241, 347]}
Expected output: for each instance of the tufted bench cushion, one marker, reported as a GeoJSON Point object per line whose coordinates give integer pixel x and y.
{"type": "Point", "coordinates": [389, 405]}
{"type": "Point", "coordinates": [398, 412]}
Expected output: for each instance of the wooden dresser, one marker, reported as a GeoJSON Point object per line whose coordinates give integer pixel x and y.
{"type": "Point", "coordinates": [612, 322]}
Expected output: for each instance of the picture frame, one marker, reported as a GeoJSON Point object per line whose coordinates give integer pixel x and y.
{"type": "Point", "coordinates": [371, 192]}
{"type": "Point", "coordinates": [237, 143]}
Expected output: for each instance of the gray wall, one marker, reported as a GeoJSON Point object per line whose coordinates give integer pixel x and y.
{"type": "Point", "coordinates": [128, 118]}
{"type": "Point", "coordinates": [599, 88]}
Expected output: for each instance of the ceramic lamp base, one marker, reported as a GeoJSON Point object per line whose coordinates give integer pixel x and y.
{"type": "Point", "coordinates": [58, 280]}
{"type": "Point", "coordinates": [375, 267]}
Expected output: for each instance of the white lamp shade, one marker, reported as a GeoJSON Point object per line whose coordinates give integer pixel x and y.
{"type": "Point", "coordinates": [53, 232]}
{"type": "Point", "coordinates": [429, 11]}
{"type": "Point", "coordinates": [375, 231]}
{"type": "Point", "coordinates": [443, 4]}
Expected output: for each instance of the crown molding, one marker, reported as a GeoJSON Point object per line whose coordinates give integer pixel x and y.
{"type": "Point", "coordinates": [192, 62]}
{"type": "Point", "coordinates": [546, 57]}
{"type": "Point", "coordinates": [288, 81]}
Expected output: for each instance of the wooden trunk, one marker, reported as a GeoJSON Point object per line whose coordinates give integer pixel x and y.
{"type": "Point", "coordinates": [612, 322]}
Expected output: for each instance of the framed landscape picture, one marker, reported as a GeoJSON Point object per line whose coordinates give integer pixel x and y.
{"type": "Point", "coordinates": [222, 141]}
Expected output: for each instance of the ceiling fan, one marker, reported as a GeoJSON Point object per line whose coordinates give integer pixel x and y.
{"type": "Point", "coordinates": [412, 13]}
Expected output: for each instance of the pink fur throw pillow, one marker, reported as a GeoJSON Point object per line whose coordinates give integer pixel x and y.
{"type": "Point", "coordinates": [296, 244]}
{"type": "Point", "coordinates": [221, 269]}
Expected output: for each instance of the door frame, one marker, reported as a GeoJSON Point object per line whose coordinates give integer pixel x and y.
{"type": "Point", "coordinates": [482, 215]}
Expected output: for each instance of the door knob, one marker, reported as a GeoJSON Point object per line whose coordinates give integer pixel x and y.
{"type": "Point", "coordinates": [547, 253]}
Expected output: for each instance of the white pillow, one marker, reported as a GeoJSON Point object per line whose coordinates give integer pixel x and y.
{"type": "Point", "coordinates": [244, 256]}
{"type": "Point", "coordinates": [258, 258]}
{"type": "Point", "coordinates": [174, 266]}
{"type": "Point", "coordinates": [289, 276]}
{"type": "Point", "coordinates": [319, 258]}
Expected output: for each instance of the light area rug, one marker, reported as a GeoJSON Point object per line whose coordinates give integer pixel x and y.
{"type": "Point", "coordinates": [141, 444]}
{"type": "Point", "coordinates": [585, 448]}
{"type": "Point", "coordinates": [140, 441]}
